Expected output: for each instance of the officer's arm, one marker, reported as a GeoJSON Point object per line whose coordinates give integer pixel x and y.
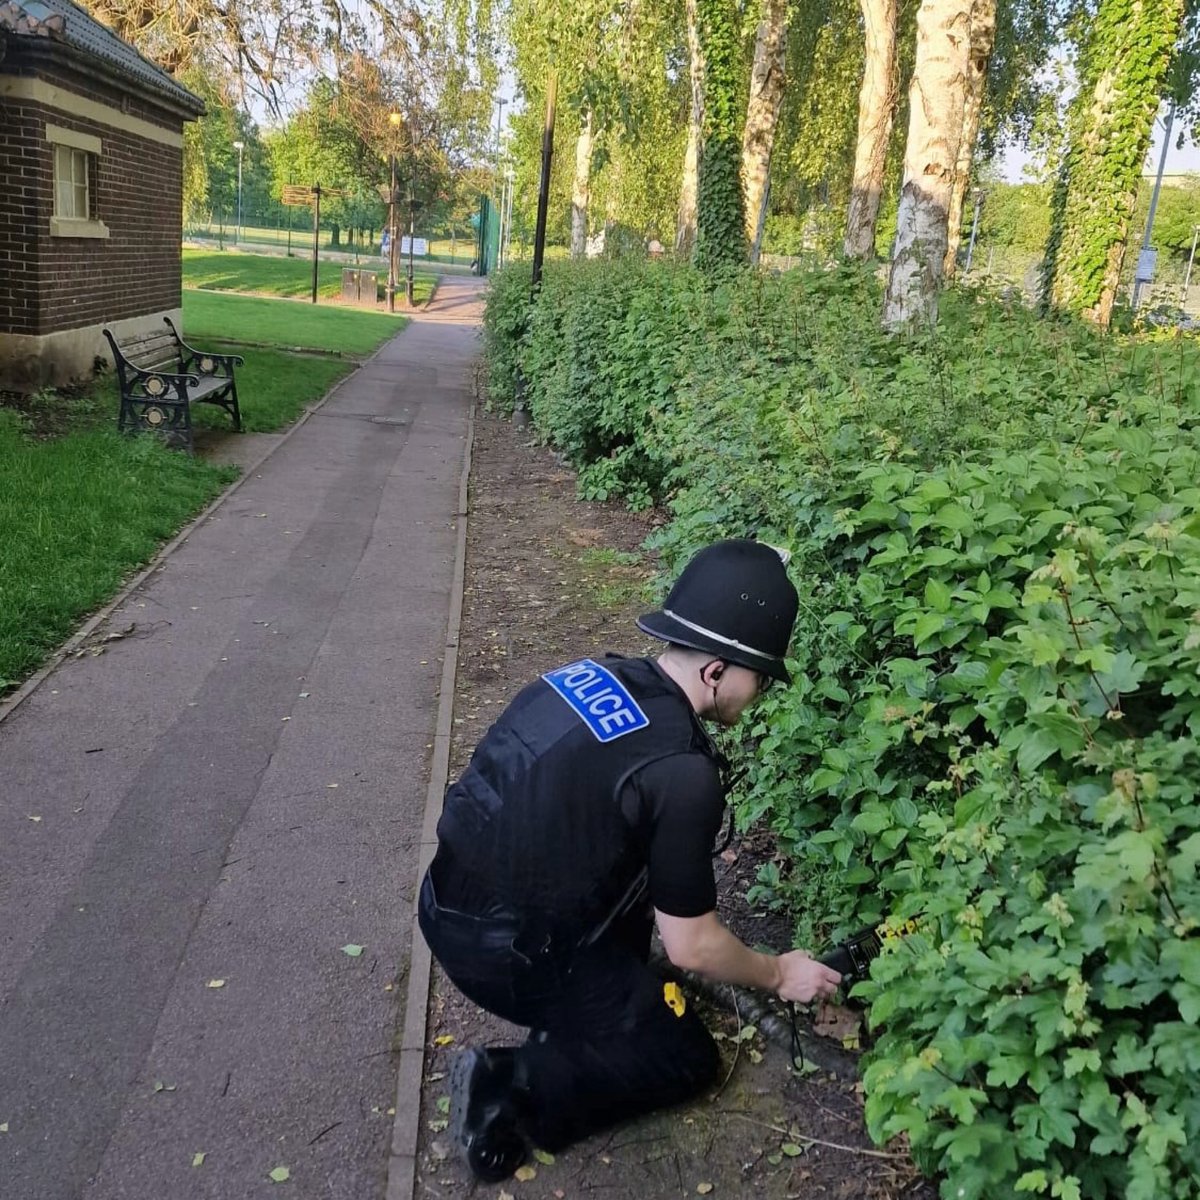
{"type": "Point", "coordinates": [704, 945]}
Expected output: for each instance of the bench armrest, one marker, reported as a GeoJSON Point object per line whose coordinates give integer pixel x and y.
{"type": "Point", "coordinates": [194, 359]}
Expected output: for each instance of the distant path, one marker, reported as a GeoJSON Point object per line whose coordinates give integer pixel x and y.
{"type": "Point", "coordinates": [233, 791]}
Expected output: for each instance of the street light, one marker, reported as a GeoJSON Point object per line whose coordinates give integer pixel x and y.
{"type": "Point", "coordinates": [1191, 259]}
{"type": "Point", "coordinates": [394, 121]}
{"type": "Point", "coordinates": [413, 205]}
{"type": "Point", "coordinates": [978, 193]}
{"type": "Point", "coordinates": [239, 147]}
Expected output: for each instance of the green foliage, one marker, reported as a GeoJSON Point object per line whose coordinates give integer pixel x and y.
{"type": "Point", "coordinates": [720, 206]}
{"type": "Point", "coordinates": [1122, 76]}
{"type": "Point", "coordinates": [996, 716]}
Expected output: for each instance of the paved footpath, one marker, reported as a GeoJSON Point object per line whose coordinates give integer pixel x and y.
{"type": "Point", "coordinates": [194, 823]}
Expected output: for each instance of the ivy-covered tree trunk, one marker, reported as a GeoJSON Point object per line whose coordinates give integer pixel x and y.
{"type": "Point", "coordinates": [720, 210]}
{"type": "Point", "coordinates": [581, 188]}
{"type": "Point", "coordinates": [876, 110]}
{"type": "Point", "coordinates": [936, 101]}
{"type": "Point", "coordinates": [685, 226]}
{"type": "Point", "coordinates": [1122, 74]}
{"type": "Point", "coordinates": [767, 78]}
{"type": "Point", "coordinates": [983, 39]}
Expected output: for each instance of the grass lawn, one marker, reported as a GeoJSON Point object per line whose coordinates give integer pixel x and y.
{"type": "Point", "coordinates": [78, 513]}
{"type": "Point", "coordinates": [82, 507]}
{"type": "Point", "coordinates": [273, 275]}
{"type": "Point", "coordinates": [217, 316]}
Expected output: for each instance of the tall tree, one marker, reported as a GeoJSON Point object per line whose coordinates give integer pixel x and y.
{"type": "Point", "coordinates": [767, 79]}
{"type": "Point", "coordinates": [581, 187]}
{"type": "Point", "coordinates": [876, 110]}
{"type": "Point", "coordinates": [720, 209]}
{"type": "Point", "coordinates": [685, 225]}
{"type": "Point", "coordinates": [983, 39]}
{"type": "Point", "coordinates": [1122, 74]}
{"type": "Point", "coordinates": [264, 44]}
{"type": "Point", "coordinates": [936, 103]}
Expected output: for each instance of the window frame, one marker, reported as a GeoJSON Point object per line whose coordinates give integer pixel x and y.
{"type": "Point", "coordinates": [73, 172]}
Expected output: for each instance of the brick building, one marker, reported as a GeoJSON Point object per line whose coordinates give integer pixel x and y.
{"type": "Point", "coordinates": [91, 177]}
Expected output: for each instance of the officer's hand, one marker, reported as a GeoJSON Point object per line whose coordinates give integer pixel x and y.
{"type": "Point", "coordinates": [803, 979]}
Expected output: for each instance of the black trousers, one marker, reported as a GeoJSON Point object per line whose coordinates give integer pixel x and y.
{"type": "Point", "coordinates": [611, 1047]}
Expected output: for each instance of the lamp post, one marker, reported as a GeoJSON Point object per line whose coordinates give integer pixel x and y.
{"type": "Point", "coordinates": [1187, 281]}
{"type": "Point", "coordinates": [1145, 266]}
{"type": "Point", "coordinates": [237, 233]}
{"type": "Point", "coordinates": [974, 231]}
{"type": "Point", "coordinates": [413, 205]}
{"type": "Point", "coordinates": [394, 122]}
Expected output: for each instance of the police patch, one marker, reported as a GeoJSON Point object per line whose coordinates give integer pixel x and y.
{"type": "Point", "coordinates": [599, 698]}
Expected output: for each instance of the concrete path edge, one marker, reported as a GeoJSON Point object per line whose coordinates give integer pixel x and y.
{"type": "Point", "coordinates": [402, 1164]}
{"type": "Point", "coordinates": [10, 704]}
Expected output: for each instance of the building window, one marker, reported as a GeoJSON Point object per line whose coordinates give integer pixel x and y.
{"type": "Point", "coordinates": [71, 197]}
{"type": "Point", "coordinates": [76, 212]}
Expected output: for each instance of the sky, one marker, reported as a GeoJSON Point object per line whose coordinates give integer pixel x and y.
{"type": "Point", "coordinates": [1179, 161]}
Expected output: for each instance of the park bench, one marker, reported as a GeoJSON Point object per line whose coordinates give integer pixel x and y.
{"type": "Point", "coordinates": [169, 376]}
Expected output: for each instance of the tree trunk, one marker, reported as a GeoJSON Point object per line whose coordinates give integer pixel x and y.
{"type": "Point", "coordinates": [762, 115]}
{"type": "Point", "coordinates": [876, 111]}
{"type": "Point", "coordinates": [581, 189]}
{"type": "Point", "coordinates": [983, 39]}
{"type": "Point", "coordinates": [936, 102]}
{"type": "Point", "coordinates": [685, 228]}
{"type": "Point", "coordinates": [1123, 70]}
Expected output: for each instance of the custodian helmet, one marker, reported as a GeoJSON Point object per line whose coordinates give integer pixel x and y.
{"type": "Point", "coordinates": [735, 601]}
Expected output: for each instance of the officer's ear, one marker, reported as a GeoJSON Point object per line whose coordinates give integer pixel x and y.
{"type": "Point", "coordinates": [712, 671]}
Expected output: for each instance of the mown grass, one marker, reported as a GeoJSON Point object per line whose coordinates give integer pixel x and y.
{"type": "Point", "coordinates": [213, 316]}
{"type": "Point", "coordinates": [274, 275]}
{"type": "Point", "coordinates": [82, 506]}
{"type": "Point", "coordinates": [78, 513]}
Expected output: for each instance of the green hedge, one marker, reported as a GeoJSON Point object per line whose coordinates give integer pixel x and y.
{"type": "Point", "coordinates": [995, 719]}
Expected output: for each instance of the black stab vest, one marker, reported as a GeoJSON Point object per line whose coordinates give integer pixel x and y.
{"type": "Point", "coordinates": [534, 825]}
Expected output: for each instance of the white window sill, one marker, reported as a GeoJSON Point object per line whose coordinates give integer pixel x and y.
{"type": "Point", "coordinates": [72, 227]}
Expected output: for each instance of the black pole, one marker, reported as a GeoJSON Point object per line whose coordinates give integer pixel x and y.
{"type": "Point", "coordinates": [412, 236]}
{"type": "Point", "coordinates": [539, 237]}
{"type": "Point", "coordinates": [316, 235]}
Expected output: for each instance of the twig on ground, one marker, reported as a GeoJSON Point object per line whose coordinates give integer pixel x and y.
{"type": "Point", "coordinates": [737, 1052]}
{"type": "Point", "coordinates": [803, 1137]}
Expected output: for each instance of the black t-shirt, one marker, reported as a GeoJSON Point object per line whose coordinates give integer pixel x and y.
{"type": "Point", "coordinates": [677, 804]}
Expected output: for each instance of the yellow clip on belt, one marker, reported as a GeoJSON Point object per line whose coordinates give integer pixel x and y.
{"type": "Point", "coordinates": [674, 998]}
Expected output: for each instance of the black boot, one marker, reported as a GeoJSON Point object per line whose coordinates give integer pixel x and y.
{"type": "Point", "coordinates": [485, 1113]}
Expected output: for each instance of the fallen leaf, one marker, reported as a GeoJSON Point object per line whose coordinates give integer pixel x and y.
{"type": "Point", "coordinates": [443, 1039]}
{"type": "Point", "coordinates": [791, 1149]}
{"type": "Point", "coordinates": [703, 1189]}
{"type": "Point", "coordinates": [279, 1175]}
{"type": "Point", "coordinates": [159, 1086]}
{"type": "Point", "coordinates": [544, 1157]}
{"type": "Point", "coordinates": [352, 950]}
{"type": "Point", "coordinates": [525, 1174]}
{"type": "Point", "coordinates": [4, 1127]}
{"type": "Point", "coordinates": [305, 695]}
{"type": "Point", "coordinates": [443, 1104]}
{"type": "Point", "coordinates": [755, 1055]}
{"type": "Point", "coordinates": [559, 1194]}
{"type": "Point", "coordinates": [198, 1158]}
{"type": "Point", "coordinates": [834, 1021]}
{"type": "Point", "coordinates": [435, 1077]}
{"type": "Point", "coordinates": [438, 1126]}
{"type": "Point", "coordinates": [439, 1150]}
{"type": "Point", "coordinates": [34, 819]}
{"type": "Point", "coordinates": [332, 785]}
{"type": "Point", "coordinates": [216, 983]}
{"type": "Point", "coordinates": [774, 1159]}
{"type": "Point", "coordinates": [505, 1196]}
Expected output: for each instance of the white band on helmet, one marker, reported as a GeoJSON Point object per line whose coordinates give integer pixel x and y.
{"type": "Point", "coordinates": [716, 637]}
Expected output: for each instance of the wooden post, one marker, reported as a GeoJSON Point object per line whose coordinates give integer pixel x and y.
{"type": "Point", "coordinates": [316, 235]}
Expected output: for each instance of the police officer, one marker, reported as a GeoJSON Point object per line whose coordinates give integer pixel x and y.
{"type": "Point", "coordinates": [588, 813]}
